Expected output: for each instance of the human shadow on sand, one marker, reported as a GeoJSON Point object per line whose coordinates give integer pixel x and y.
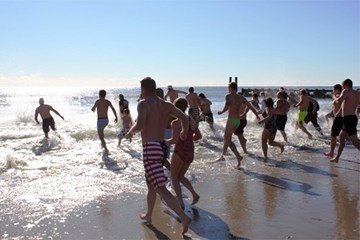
{"type": "Point", "coordinates": [111, 164]}
{"type": "Point", "coordinates": [292, 165]}
{"type": "Point", "coordinates": [207, 225]}
{"type": "Point", "coordinates": [159, 235]}
{"type": "Point", "coordinates": [283, 183]}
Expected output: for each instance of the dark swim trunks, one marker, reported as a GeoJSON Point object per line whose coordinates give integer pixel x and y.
{"type": "Point", "coordinates": [350, 123]}
{"type": "Point", "coordinates": [48, 122]}
{"type": "Point", "coordinates": [337, 125]}
{"type": "Point", "coordinates": [281, 122]}
{"type": "Point", "coordinates": [240, 129]}
{"type": "Point", "coordinates": [207, 117]}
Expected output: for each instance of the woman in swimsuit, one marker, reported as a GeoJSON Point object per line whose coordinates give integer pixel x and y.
{"type": "Point", "coordinates": [269, 132]}
{"type": "Point", "coordinates": [183, 153]}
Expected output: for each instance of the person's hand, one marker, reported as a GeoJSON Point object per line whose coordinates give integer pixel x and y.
{"type": "Point", "coordinates": [115, 120]}
{"type": "Point", "coordinates": [62, 117]}
{"type": "Point", "coordinates": [219, 112]}
{"type": "Point", "coordinates": [129, 135]}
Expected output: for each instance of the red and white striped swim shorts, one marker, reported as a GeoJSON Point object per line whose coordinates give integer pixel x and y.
{"type": "Point", "coordinates": [153, 155]}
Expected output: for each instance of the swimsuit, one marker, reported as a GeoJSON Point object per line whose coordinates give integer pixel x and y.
{"type": "Point", "coordinates": [281, 122]}
{"type": "Point", "coordinates": [350, 123]}
{"type": "Point", "coordinates": [271, 125]}
{"type": "Point", "coordinates": [185, 148]}
{"type": "Point", "coordinates": [240, 129]}
{"type": "Point", "coordinates": [301, 117]}
{"type": "Point", "coordinates": [207, 117]}
{"type": "Point", "coordinates": [153, 156]}
{"type": "Point", "coordinates": [194, 113]}
{"type": "Point", "coordinates": [102, 123]}
{"type": "Point", "coordinates": [234, 121]}
{"type": "Point", "coordinates": [337, 126]}
{"type": "Point", "coordinates": [48, 122]}
{"type": "Point", "coordinates": [123, 133]}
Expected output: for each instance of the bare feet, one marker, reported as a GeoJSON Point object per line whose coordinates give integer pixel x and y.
{"type": "Point", "coordinates": [145, 217]}
{"type": "Point", "coordinates": [185, 223]}
{"type": "Point", "coordinates": [329, 154]}
{"type": "Point", "coordinates": [239, 162]}
{"type": "Point", "coordinates": [335, 160]}
{"type": "Point", "coordinates": [195, 199]}
{"type": "Point", "coordinates": [221, 158]}
{"type": "Point", "coordinates": [282, 148]}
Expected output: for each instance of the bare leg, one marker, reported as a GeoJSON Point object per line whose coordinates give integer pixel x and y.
{"type": "Point", "coordinates": [275, 144]}
{"type": "Point", "coordinates": [283, 133]}
{"type": "Point", "coordinates": [173, 204]}
{"type": "Point", "coordinates": [343, 136]}
{"type": "Point", "coordinates": [102, 139]}
{"type": "Point", "coordinates": [46, 134]}
{"type": "Point", "coordinates": [264, 138]}
{"type": "Point", "coordinates": [151, 199]}
{"type": "Point", "coordinates": [242, 141]}
{"type": "Point", "coordinates": [305, 130]}
{"type": "Point", "coordinates": [188, 184]}
{"type": "Point", "coordinates": [175, 168]}
{"type": "Point", "coordinates": [355, 141]}
{"type": "Point", "coordinates": [237, 154]}
{"type": "Point", "coordinates": [332, 148]}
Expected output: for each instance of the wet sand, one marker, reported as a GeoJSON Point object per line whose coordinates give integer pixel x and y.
{"type": "Point", "coordinates": [288, 199]}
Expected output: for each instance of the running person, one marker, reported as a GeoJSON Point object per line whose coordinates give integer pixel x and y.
{"type": "Point", "coordinates": [281, 110]}
{"type": "Point", "coordinates": [48, 120]}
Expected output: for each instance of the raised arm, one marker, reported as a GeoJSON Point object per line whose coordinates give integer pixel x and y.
{"type": "Point", "coordinates": [114, 111]}
{"type": "Point", "coordinates": [36, 116]}
{"type": "Point", "coordinates": [176, 129]}
{"type": "Point", "coordinates": [57, 113]}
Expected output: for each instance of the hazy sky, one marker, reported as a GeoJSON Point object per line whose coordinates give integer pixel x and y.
{"type": "Point", "coordinates": [198, 43]}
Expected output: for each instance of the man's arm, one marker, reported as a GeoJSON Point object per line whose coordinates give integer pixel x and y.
{"type": "Point", "coordinates": [114, 111]}
{"type": "Point", "coordinates": [95, 106]}
{"type": "Point", "coordinates": [226, 106]}
{"type": "Point", "coordinates": [57, 113]}
{"type": "Point", "coordinates": [250, 107]}
{"type": "Point", "coordinates": [342, 96]}
{"type": "Point", "coordinates": [300, 101]}
{"type": "Point", "coordinates": [179, 91]}
{"type": "Point", "coordinates": [36, 116]}
{"type": "Point", "coordinates": [140, 121]}
{"type": "Point", "coordinates": [315, 105]}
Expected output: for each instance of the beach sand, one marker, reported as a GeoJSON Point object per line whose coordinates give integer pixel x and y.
{"type": "Point", "coordinates": [304, 199]}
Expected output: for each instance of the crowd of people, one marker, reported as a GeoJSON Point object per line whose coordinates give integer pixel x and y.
{"type": "Point", "coordinates": [163, 123]}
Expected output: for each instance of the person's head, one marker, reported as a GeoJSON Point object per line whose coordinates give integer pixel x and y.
{"type": "Point", "coordinates": [269, 102]}
{"type": "Point", "coordinates": [160, 93]}
{"type": "Point", "coordinates": [337, 89]}
{"type": "Point", "coordinates": [102, 93]}
{"type": "Point", "coordinates": [202, 95]}
{"type": "Point", "coordinates": [41, 101]}
{"type": "Point", "coordinates": [191, 89]}
{"type": "Point", "coordinates": [148, 87]}
{"type": "Point", "coordinates": [303, 92]}
{"type": "Point", "coordinates": [121, 97]}
{"type": "Point", "coordinates": [262, 94]}
{"type": "Point", "coordinates": [255, 95]}
{"type": "Point", "coordinates": [126, 111]}
{"type": "Point", "coordinates": [347, 84]}
{"type": "Point", "coordinates": [280, 95]}
{"type": "Point", "coordinates": [181, 104]}
{"type": "Point", "coordinates": [232, 87]}
{"type": "Point", "coordinates": [282, 89]}
{"type": "Point", "coordinates": [170, 87]}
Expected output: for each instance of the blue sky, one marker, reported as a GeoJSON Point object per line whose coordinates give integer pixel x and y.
{"type": "Point", "coordinates": [198, 43]}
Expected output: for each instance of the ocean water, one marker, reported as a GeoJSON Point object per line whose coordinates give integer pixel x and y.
{"type": "Point", "coordinates": [42, 180]}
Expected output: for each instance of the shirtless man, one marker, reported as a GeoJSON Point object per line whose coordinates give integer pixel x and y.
{"type": "Point", "coordinates": [173, 94]}
{"type": "Point", "coordinates": [233, 102]}
{"type": "Point", "coordinates": [281, 110]}
{"type": "Point", "coordinates": [349, 100]}
{"type": "Point", "coordinates": [303, 105]}
{"type": "Point", "coordinates": [48, 121]}
{"type": "Point", "coordinates": [245, 106]}
{"type": "Point", "coordinates": [337, 122]}
{"type": "Point", "coordinates": [193, 103]}
{"type": "Point", "coordinates": [153, 115]}
{"type": "Point", "coordinates": [102, 105]}
{"type": "Point", "coordinates": [206, 113]}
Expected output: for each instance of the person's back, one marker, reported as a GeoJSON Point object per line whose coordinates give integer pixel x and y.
{"type": "Point", "coordinates": [234, 102]}
{"type": "Point", "coordinates": [305, 101]}
{"type": "Point", "coordinates": [205, 105]}
{"type": "Point", "coordinates": [351, 102]}
{"type": "Point", "coordinates": [123, 103]}
{"type": "Point", "coordinates": [282, 107]}
{"type": "Point", "coordinates": [44, 111]}
{"type": "Point", "coordinates": [157, 113]}
{"type": "Point", "coordinates": [126, 121]}
{"type": "Point", "coordinates": [102, 107]}
{"type": "Point", "coordinates": [193, 100]}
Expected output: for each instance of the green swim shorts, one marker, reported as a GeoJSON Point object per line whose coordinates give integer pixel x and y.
{"type": "Point", "coordinates": [301, 117]}
{"type": "Point", "coordinates": [235, 122]}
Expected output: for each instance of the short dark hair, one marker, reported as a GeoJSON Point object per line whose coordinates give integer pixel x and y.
{"type": "Point", "coordinates": [303, 91]}
{"type": "Point", "coordinates": [348, 82]}
{"type": "Point", "coordinates": [191, 89]}
{"type": "Point", "coordinates": [233, 86]}
{"type": "Point", "coordinates": [102, 93]}
{"type": "Point", "coordinates": [202, 95]}
{"type": "Point", "coordinates": [269, 102]}
{"type": "Point", "coordinates": [159, 92]}
{"type": "Point", "coordinates": [338, 87]}
{"type": "Point", "coordinates": [181, 104]}
{"type": "Point", "coordinates": [148, 84]}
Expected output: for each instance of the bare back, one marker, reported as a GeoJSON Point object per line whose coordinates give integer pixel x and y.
{"type": "Point", "coordinates": [102, 106]}
{"type": "Point", "coordinates": [304, 102]}
{"type": "Point", "coordinates": [154, 114]}
{"type": "Point", "coordinates": [233, 101]}
{"type": "Point", "coordinates": [44, 111]}
{"type": "Point", "coordinates": [193, 100]}
{"type": "Point", "coordinates": [282, 107]}
{"type": "Point", "coordinates": [350, 100]}
{"type": "Point", "coordinates": [172, 95]}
